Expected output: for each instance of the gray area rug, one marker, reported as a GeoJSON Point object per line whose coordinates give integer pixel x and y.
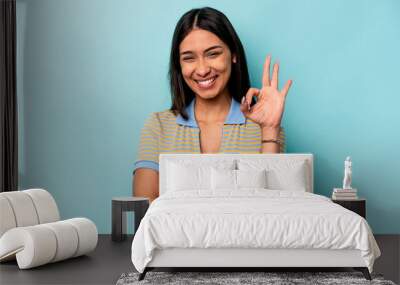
{"type": "Point", "coordinates": [229, 278]}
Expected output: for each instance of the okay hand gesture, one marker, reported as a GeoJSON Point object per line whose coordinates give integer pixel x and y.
{"type": "Point", "coordinates": [268, 110]}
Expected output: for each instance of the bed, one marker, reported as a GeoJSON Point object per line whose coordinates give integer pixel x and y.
{"type": "Point", "coordinates": [247, 210]}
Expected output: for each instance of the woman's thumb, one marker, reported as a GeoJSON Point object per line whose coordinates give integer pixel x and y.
{"type": "Point", "coordinates": [246, 100]}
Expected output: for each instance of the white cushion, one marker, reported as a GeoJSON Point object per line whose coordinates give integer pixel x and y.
{"type": "Point", "coordinates": [281, 174]}
{"type": "Point", "coordinates": [45, 205]}
{"type": "Point", "coordinates": [32, 246]}
{"type": "Point", "coordinates": [206, 160]}
{"type": "Point", "coordinates": [67, 237]}
{"type": "Point", "coordinates": [186, 174]}
{"type": "Point", "coordinates": [7, 220]}
{"type": "Point", "coordinates": [31, 233]}
{"type": "Point", "coordinates": [40, 244]}
{"type": "Point", "coordinates": [251, 178]}
{"type": "Point", "coordinates": [223, 179]}
{"type": "Point", "coordinates": [23, 208]}
{"type": "Point", "coordinates": [87, 233]}
{"type": "Point", "coordinates": [181, 177]}
{"type": "Point", "coordinates": [227, 179]}
{"type": "Point", "coordinates": [27, 208]}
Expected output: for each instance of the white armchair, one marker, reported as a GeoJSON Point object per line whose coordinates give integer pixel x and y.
{"type": "Point", "coordinates": [32, 233]}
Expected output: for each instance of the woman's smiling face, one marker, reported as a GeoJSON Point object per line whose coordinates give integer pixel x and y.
{"type": "Point", "coordinates": [206, 63]}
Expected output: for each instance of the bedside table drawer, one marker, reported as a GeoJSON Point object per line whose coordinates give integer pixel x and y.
{"type": "Point", "coordinates": [357, 206]}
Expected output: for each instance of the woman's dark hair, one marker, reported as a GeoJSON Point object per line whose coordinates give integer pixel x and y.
{"type": "Point", "coordinates": [216, 22]}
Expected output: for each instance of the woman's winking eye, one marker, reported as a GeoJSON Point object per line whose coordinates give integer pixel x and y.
{"type": "Point", "coordinates": [214, 54]}
{"type": "Point", "coordinates": [211, 54]}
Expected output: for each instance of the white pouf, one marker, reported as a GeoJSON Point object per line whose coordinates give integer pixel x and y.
{"type": "Point", "coordinates": [31, 232]}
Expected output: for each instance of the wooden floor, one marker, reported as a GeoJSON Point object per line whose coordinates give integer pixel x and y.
{"type": "Point", "coordinates": [111, 259]}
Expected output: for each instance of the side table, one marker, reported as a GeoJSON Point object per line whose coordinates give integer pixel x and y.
{"type": "Point", "coordinates": [121, 205]}
{"type": "Point", "coordinates": [357, 206]}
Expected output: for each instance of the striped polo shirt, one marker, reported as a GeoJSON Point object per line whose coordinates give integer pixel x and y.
{"type": "Point", "coordinates": [164, 132]}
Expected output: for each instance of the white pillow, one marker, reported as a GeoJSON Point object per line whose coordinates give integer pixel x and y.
{"type": "Point", "coordinates": [187, 174]}
{"type": "Point", "coordinates": [236, 179]}
{"type": "Point", "coordinates": [183, 177]}
{"type": "Point", "coordinates": [223, 179]}
{"type": "Point", "coordinates": [281, 174]}
{"type": "Point", "coordinates": [205, 161]}
{"type": "Point", "coordinates": [251, 178]}
{"type": "Point", "coordinates": [288, 179]}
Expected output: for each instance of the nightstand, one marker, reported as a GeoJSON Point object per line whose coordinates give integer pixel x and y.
{"type": "Point", "coordinates": [358, 206]}
{"type": "Point", "coordinates": [121, 205]}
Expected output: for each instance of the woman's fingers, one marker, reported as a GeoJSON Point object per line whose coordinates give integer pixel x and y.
{"type": "Point", "coordinates": [246, 100]}
{"type": "Point", "coordinates": [243, 107]}
{"type": "Point", "coordinates": [265, 77]}
{"type": "Point", "coordinates": [274, 81]}
{"type": "Point", "coordinates": [285, 89]}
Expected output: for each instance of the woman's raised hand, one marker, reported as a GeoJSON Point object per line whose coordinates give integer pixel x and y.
{"type": "Point", "coordinates": [268, 110]}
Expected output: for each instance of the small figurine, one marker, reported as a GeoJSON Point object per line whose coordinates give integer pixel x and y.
{"type": "Point", "coordinates": [347, 173]}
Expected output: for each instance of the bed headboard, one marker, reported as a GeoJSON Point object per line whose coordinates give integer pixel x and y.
{"type": "Point", "coordinates": [214, 158]}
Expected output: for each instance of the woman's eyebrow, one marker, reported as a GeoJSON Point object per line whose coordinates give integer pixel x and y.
{"type": "Point", "coordinates": [206, 50]}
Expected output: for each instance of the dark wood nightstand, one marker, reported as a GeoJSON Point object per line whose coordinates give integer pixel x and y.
{"type": "Point", "coordinates": [121, 205]}
{"type": "Point", "coordinates": [357, 206]}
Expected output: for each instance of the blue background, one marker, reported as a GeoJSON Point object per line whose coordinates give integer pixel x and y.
{"type": "Point", "coordinates": [91, 71]}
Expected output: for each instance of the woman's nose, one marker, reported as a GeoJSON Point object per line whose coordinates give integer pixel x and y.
{"type": "Point", "coordinates": [202, 68]}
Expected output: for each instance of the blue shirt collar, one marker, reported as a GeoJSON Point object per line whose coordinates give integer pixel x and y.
{"type": "Point", "coordinates": [235, 116]}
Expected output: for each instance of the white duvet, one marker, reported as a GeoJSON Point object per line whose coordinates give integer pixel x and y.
{"type": "Point", "coordinates": [251, 218]}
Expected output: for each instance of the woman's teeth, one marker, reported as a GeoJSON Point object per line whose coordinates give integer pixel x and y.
{"type": "Point", "coordinates": [206, 83]}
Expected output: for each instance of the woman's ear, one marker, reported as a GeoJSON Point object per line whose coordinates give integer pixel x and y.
{"type": "Point", "coordinates": [234, 58]}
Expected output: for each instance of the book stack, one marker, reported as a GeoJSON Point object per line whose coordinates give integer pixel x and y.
{"type": "Point", "coordinates": [344, 194]}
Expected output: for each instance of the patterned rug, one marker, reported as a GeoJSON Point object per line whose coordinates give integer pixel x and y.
{"type": "Point", "coordinates": [243, 278]}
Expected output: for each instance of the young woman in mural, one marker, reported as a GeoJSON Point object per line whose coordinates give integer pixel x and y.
{"type": "Point", "coordinates": [214, 109]}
